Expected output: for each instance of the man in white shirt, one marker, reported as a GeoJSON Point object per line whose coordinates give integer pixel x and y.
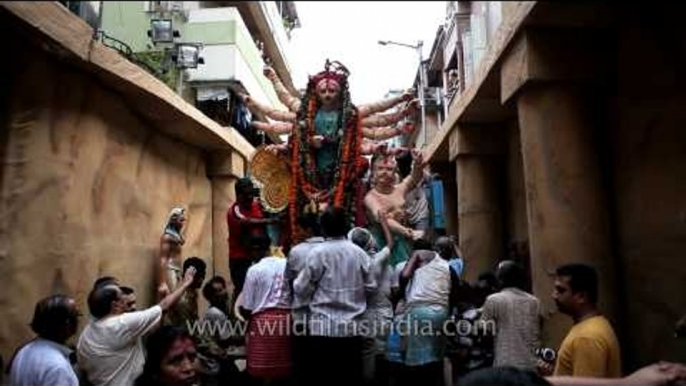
{"type": "Point", "coordinates": [336, 282]}
{"type": "Point", "coordinates": [297, 259]}
{"type": "Point", "coordinates": [261, 302]}
{"type": "Point", "coordinates": [45, 359]}
{"type": "Point", "coordinates": [110, 349]}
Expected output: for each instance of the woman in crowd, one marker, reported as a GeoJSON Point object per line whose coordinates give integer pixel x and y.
{"type": "Point", "coordinates": [171, 359]}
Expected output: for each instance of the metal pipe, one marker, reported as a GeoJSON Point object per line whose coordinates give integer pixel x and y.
{"type": "Point", "coordinates": [422, 87]}
{"type": "Point", "coordinates": [422, 80]}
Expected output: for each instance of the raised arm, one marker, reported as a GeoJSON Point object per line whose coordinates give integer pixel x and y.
{"type": "Point", "coordinates": [381, 133]}
{"type": "Point", "coordinates": [174, 297]}
{"type": "Point", "coordinates": [277, 128]}
{"type": "Point", "coordinates": [383, 105]}
{"type": "Point", "coordinates": [378, 120]}
{"type": "Point", "coordinates": [370, 147]}
{"type": "Point", "coordinates": [417, 173]}
{"type": "Point", "coordinates": [289, 100]}
{"type": "Point", "coordinates": [283, 116]}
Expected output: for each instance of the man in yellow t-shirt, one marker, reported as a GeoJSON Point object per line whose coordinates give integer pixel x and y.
{"type": "Point", "coordinates": [591, 348]}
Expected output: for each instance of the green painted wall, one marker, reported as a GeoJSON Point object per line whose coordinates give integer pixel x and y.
{"type": "Point", "coordinates": [129, 22]}
{"type": "Point", "coordinates": [210, 33]}
{"type": "Point", "coordinates": [248, 49]}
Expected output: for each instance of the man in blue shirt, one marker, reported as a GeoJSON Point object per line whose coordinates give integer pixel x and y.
{"type": "Point", "coordinates": [45, 359]}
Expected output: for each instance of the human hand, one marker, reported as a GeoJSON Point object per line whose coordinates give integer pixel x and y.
{"type": "Point", "coordinates": [413, 105]}
{"type": "Point", "coordinates": [406, 128]}
{"type": "Point", "coordinates": [162, 290]}
{"type": "Point", "coordinates": [417, 157]}
{"type": "Point", "coordinates": [544, 368]}
{"type": "Point", "coordinates": [269, 72]}
{"type": "Point", "coordinates": [658, 374]}
{"type": "Point", "coordinates": [277, 149]}
{"type": "Point", "coordinates": [398, 151]}
{"type": "Point", "coordinates": [408, 95]}
{"type": "Point", "coordinates": [188, 276]}
{"type": "Point", "coordinates": [381, 148]}
{"type": "Point", "coordinates": [317, 141]}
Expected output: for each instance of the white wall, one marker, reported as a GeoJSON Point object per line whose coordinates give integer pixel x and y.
{"type": "Point", "coordinates": [278, 31]}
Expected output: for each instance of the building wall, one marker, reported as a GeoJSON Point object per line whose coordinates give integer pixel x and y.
{"type": "Point", "coordinates": [648, 143]}
{"type": "Point", "coordinates": [632, 158]}
{"type": "Point", "coordinates": [274, 19]}
{"type": "Point", "coordinates": [220, 29]}
{"type": "Point", "coordinates": [230, 52]}
{"type": "Point", "coordinates": [129, 22]}
{"type": "Point", "coordinates": [515, 198]}
{"type": "Point", "coordinates": [86, 190]}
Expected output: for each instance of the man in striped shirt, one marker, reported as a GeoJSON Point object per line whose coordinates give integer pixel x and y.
{"type": "Point", "coordinates": [336, 281]}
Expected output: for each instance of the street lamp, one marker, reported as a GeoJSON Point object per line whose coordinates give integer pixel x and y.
{"type": "Point", "coordinates": [422, 78]}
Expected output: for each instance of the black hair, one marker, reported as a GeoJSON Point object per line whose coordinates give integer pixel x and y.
{"type": "Point", "coordinates": [445, 244]}
{"type": "Point", "coordinates": [51, 314]}
{"type": "Point", "coordinates": [422, 244]}
{"type": "Point", "coordinates": [310, 221]}
{"type": "Point", "coordinates": [100, 300]}
{"type": "Point", "coordinates": [156, 346]}
{"type": "Point", "coordinates": [104, 280]}
{"type": "Point", "coordinates": [334, 223]}
{"type": "Point", "coordinates": [243, 184]}
{"type": "Point", "coordinates": [208, 289]}
{"type": "Point", "coordinates": [582, 278]}
{"type": "Point", "coordinates": [126, 290]}
{"type": "Point", "coordinates": [511, 274]}
{"type": "Point", "coordinates": [502, 376]}
{"type": "Point", "coordinates": [488, 277]}
{"type": "Point", "coordinates": [196, 262]}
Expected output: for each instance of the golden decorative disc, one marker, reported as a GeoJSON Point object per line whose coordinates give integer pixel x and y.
{"type": "Point", "coordinates": [272, 174]}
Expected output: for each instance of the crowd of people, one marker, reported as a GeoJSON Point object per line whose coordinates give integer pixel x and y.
{"type": "Point", "coordinates": [341, 308]}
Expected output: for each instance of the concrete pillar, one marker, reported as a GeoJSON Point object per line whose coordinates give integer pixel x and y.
{"type": "Point", "coordinates": [225, 167]}
{"type": "Point", "coordinates": [567, 207]}
{"type": "Point", "coordinates": [479, 213]}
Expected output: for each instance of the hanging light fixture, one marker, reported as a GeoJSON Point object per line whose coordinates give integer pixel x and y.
{"type": "Point", "coordinates": [188, 55]}
{"type": "Point", "coordinates": [162, 31]}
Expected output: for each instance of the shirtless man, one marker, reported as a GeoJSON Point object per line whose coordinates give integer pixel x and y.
{"type": "Point", "coordinates": [387, 196]}
{"type": "Point", "coordinates": [171, 241]}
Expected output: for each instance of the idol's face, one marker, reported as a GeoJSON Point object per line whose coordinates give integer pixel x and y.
{"type": "Point", "coordinates": [328, 91]}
